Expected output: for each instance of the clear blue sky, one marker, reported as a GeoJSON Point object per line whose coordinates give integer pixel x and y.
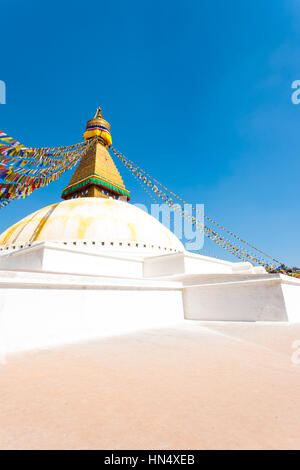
{"type": "Point", "coordinates": [197, 92]}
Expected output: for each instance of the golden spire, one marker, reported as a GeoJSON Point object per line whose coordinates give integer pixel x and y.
{"type": "Point", "coordinates": [96, 174]}
{"type": "Point", "coordinates": [98, 127]}
{"type": "Point", "coordinates": [98, 113]}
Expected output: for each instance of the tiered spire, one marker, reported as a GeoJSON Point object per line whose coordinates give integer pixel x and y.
{"type": "Point", "coordinates": [96, 174]}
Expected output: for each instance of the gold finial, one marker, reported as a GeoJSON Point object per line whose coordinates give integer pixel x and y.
{"type": "Point", "coordinates": [98, 127]}
{"type": "Point", "coordinates": [98, 113]}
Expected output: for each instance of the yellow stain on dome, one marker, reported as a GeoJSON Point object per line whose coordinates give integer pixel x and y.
{"type": "Point", "coordinates": [43, 222]}
{"type": "Point", "coordinates": [109, 202]}
{"type": "Point", "coordinates": [8, 233]}
{"type": "Point", "coordinates": [132, 231]}
{"type": "Point", "coordinates": [83, 226]}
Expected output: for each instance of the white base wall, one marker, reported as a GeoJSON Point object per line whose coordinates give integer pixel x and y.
{"type": "Point", "coordinates": [264, 298]}
{"type": "Point", "coordinates": [292, 302]}
{"type": "Point", "coordinates": [51, 295]}
{"type": "Point", "coordinates": [57, 258]}
{"type": "Point", "coordinates": [186, 263]}
{"type": "Point", "coordinates": [38, 318]}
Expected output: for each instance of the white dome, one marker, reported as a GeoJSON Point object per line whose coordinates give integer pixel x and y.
{"type": "Point", "coordinates": [106, 223]}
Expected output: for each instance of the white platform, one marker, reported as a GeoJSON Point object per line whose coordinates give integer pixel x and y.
{"type": "Point", "coordinates": [53, 293]}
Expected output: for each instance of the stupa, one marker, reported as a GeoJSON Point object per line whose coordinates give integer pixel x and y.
{"type": "Point", "coordinates": [94, 264]}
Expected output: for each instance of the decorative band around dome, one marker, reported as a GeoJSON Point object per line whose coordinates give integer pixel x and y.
{"type": "Point", "coordinates": [98, 131]}
{"type": "Point", "coordinates": [98, 181]}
